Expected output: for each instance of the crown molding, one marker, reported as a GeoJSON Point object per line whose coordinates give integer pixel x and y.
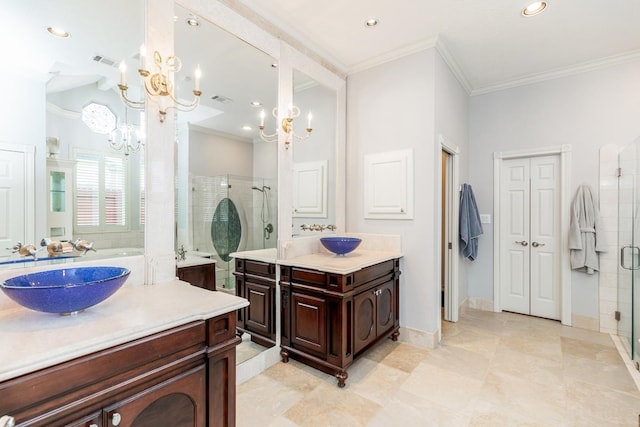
{"type": "Point", "coordinates": [393, 55]}
{"type": "Point", "coordinates": [560, 72]}
{"type": "Point", "coordinates": [453, 65]}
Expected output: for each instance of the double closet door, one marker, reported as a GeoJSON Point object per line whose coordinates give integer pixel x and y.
{"type": "Point", "coordinates": [530, 236]}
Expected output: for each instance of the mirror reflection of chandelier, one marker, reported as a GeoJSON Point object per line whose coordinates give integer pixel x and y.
{"type": "Point", "coordinates": [159, 86]}
{"type": "Point", "coordinates": [127, 137]}
{"type": "Point", "coordinates": [287, 126]}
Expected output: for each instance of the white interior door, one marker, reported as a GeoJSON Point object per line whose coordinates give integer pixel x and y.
{"type": "Point", "coordinates": [13, 227]}
{"type": "Point", "coordinates": [530, 213]}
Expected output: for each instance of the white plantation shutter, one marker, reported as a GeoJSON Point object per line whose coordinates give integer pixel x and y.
{"type": "Point", "coordinates": [114, 191]}
{"type": "Point", "coordinates": [87, 190]}
{"type": "Point", "coordinates": [101, 192]}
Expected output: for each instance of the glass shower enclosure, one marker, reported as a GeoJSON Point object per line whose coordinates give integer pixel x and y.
{"type": "Point", "coordinates": [231, 214]}
{"type": "Point", "coordinates": [629, 246]}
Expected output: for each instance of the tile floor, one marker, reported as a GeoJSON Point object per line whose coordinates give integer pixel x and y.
{"type": "Point", "coordinates": [491, 369]}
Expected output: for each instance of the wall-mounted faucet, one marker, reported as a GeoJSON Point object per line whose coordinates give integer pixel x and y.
{"type": "Point", "coordinates": [182, 254]}
{"type": "Point", "coordinates": [24, 250]}
{"type": "Point", "coordinates": [83, 246]}
{"type": "Point", "coordinates": [55, 247]}
{"type": "Point", "coordinates": [317, 227]}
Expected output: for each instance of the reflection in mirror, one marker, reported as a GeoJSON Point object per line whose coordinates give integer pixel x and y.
{"type": "Point", "coordinates": [314, 159]}
{"type": "Point", "coordinates": [61, 105]}
{"type": "Point", "coordinates": [226, 176]}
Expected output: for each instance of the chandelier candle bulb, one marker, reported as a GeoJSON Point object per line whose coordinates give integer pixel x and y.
{"type": "Point", "coordinates": [143, 56]}
{"type": "Point", "coordinates": [309, 121]}
{"type": "Point", "coordinates": [123, 70]}
{"type": "Point", "coordinates": [262, 114]}
{"type": "Point", "coordinates": [198, 75]}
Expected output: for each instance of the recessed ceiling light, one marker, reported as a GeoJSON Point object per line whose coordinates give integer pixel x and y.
{"type": "Point", "coordinates": [534, 8]}
{"type": "Point", "coordinates": [58, 32]}
{"type": "Point", "coordinates": [372, 22]}
{"type": "Point", "coordinates": [256, 103]}
{"type": "Point", "coordinates": [193, 21]}
{"type": "Point", "coordinates": [246, 127]}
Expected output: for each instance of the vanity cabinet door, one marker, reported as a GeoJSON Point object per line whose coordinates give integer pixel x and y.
{"type": "Point", "coordinates": [364, 322]}
{"type": "Point", "coordinates": [258, 315]}
{"type": "Point", "coordinates": [374, 314]}
{"type": "Point", "coordinates": [177, 402]}
{"type": "Point", "coordinates": [309, 322]}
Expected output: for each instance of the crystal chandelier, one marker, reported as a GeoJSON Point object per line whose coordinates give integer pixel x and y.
{"type": "Point", "coordinates": [127, 137]}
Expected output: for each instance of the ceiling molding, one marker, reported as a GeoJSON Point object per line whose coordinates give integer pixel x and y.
{"type": "Point", "coordinates": [393, 55]}
{"type": "Point", "coordinates": [62, 112]}
{"type": "Point", "coordinates": [453, 65]}
{"type": "Point", "coordinates": [561, 72]}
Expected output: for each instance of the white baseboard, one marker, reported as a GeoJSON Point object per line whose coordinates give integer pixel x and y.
{"type": "Point", "coordinates": [479, 303]}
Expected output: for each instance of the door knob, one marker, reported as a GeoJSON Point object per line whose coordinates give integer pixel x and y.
{"type": "Point", "coordinates": [536, 244]}
{"type": "Point", "coordinates": [522, 242]}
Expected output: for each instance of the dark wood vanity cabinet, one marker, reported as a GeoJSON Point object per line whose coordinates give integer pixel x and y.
{"type": "Point", "coordinates": [256, 281]}
{"type": "Point", "coordinates": [202, 275]}
{"type": "Point", "coordinates": [328, 319]}
{"type": "Point", "coordinates": [183, 377]}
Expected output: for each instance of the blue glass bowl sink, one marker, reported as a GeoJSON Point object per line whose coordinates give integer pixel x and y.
{"type": "Point", "coordinates": [65, 291]}
{"type": "Point", "coordinates": [340, 245]}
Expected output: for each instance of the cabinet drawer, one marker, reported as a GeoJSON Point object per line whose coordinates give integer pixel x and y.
{"type": "Point", "coordinates": [373, 272]}
{"type": "Point", "coordinates": [221, 328]}
{"type": "Point", "coordinates": [308, 277]}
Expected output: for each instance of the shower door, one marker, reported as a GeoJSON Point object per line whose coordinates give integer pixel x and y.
{"type": "Point", "coordinates": [629, 246]}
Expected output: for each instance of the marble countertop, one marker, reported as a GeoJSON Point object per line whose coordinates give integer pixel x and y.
{"type": "Point", "coordinates": [269, 255]}
{"type": "Point", "coordinates": [340, 264]}
{"type": "Point", "coordinates": [30, 340]}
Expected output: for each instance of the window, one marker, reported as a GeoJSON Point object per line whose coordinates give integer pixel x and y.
{"type": "Point", "coordinates": [101, 192]}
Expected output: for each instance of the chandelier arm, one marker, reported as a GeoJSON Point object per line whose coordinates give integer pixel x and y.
{"type": "Point", "coordinates": [136, 105]}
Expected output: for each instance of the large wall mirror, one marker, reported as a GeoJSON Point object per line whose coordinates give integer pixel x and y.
{"type": "Point", "coordinates": [67, 174]}
{"type": "Point", "coordinates": [314, 159]}
{"type": "Point", "coordinates": [226, 175]}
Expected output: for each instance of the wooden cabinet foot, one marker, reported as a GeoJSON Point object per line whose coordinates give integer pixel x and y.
{"type": "Point", "coordinates": [285, 355]}
{"type": "Point", "coordinates": [342, 377]}
{"type": "Point", "coordinates": [395, 335]}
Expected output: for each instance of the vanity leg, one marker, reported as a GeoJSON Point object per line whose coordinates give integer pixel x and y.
{"type": "Point", "coordinates": [285, 355]}
{"type": "Point", "coordinates": [395, 335]}
{"type": "Point", "coordinates": [341, 377]}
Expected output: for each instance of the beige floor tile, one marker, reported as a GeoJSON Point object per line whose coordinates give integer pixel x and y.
{"type": "Point", "coordinates": [329, 405]}
{"type": "Point", "coordinates": [446, 388]}
{"type": "Point", "coordinates": [405, 357]}
{"type": "Point", "coordinates": [491, 369]}
{"type": "Point", "coordinates": [518, 397]}
{"type": "Point", "coordinates": [408, 410]}
{"type": "Point", "coordinates": [261, 400]}
{"type": "Point", "coordinates": [459, 360]}
{"type": "Point", "coordinates": [374, 381]}
{"type": "Point", "coordinates": [297, 376]}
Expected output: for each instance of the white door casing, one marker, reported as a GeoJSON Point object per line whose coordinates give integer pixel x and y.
{"type": "Point", "coordinates": [16, 196]}
{"type": "Point", "coordinates": [549, 278]}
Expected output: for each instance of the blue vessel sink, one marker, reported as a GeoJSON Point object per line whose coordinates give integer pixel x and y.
{"type": "Point", "coordinates": [340, 245]}
{"type": "Point", "coordinates": [65, 291]}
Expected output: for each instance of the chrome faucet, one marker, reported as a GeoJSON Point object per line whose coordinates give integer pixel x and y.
{"type": "Point", "coordinates": [55, 247]}
{"type": "Point", "coordinates": [83, 246]}
{"type": "Point", "coordinates": [182, 254]}
{"type": "Point", "coordinates": [24, 250]}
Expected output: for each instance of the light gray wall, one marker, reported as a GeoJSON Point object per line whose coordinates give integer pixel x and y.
{"type": "Point", "coordinates": [391, 107]}
{"type": "Point", "coordinates": [586, 110]}
{"type": "Point", "coordinates": [219, 155]}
